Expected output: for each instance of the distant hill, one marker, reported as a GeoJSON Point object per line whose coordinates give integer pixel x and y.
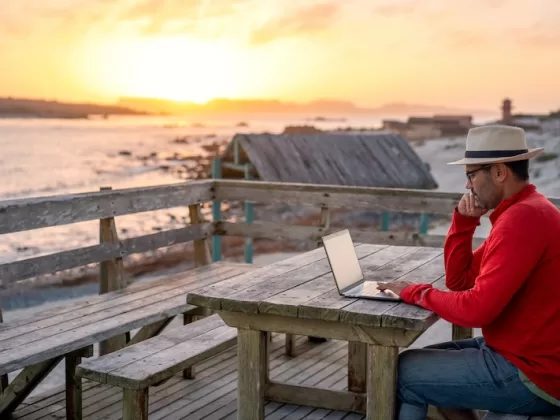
{"type": "Point", "coordinates": [38, 108]}
{"type": "Point", "coordinates": [255, 106]}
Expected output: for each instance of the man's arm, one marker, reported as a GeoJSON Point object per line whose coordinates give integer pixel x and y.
{"type": "Point", "coordinates": [462, 266]}
{"type": "Point", "coordinates": [511, 255]}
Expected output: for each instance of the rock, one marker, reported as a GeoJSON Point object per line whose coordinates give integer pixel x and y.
{"type": "Point", "coordinates": [125, 153]}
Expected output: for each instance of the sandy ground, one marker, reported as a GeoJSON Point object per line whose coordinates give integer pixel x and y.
{"type": "Point", "coordinates": [439, 332]}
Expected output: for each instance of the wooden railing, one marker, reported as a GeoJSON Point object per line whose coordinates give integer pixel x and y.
{"type": "Point", "coordinates": [105, 205]}
{"type": "Point", "coordinates": [328, 198]}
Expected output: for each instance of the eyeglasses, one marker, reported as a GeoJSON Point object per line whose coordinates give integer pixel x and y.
{"type": "Point", "coordinates": [470, 174]}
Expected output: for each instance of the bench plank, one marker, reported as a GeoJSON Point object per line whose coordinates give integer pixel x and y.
{"type": "Point", "coordinates": [161, 365]}
{"type": "Point", "coordinates": [97, 369]}
{"type": "Point", "coordinates": [40, 347]}
{"type": "Point", "coordinates": [13, 336]}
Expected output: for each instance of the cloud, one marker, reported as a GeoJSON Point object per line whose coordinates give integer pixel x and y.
{"type": "Point", "coordinates": [303, 21]}
{"type": "Point", "coordinates": [400, 8]}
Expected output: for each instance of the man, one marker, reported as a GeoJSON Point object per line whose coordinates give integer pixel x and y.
{"type": "Point", "coordinates": [509, 287]}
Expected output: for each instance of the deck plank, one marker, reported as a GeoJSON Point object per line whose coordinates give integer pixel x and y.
{"type": "Point", "coordinates": [213, 394]}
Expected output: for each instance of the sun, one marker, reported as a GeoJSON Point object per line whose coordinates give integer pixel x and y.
{"type": "Point", "coordinates": [174, 68]}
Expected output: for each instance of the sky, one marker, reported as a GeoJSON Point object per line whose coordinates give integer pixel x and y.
{"type": "Point", "coordinates": [464, 54]}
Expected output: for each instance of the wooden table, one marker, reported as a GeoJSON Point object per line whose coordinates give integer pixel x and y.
{"type": "Point", "coordinates": [298, 296]}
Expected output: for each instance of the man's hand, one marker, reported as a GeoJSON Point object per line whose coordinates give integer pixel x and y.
{"type": "Point", "coordinates": [394, 286]}
{"type": "Point", "coordinates": [468, 207]}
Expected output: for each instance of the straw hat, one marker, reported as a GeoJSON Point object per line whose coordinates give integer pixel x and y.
{"type": "Point", "coordinates": [496, 144]}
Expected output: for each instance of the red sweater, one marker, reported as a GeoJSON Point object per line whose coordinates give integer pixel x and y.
{"type": "Point", "coordinates": [509, 287]}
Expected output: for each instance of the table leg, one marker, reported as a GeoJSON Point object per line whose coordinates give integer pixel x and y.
{"type": "Point", "coordinates": [252, 359]}
{"type": "Point", "coordinates": [382, 366]}
{"type": "Point", "coordinates": [357, 366]}
{"type": "Point", "coordinates": [460, 333]}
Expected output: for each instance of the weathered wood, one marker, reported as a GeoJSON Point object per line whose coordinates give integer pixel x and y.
{"type": "Point", "coordinates": [212, 395]}
{"type": "Point", "coordinates": [111, 277]}
{"type": "Point", "coordinates": [341, 196]}
{"type": "Point", "coordinates": [369, 312]}
{"type": "Point", "coordinates": [357, 366]}
{"type": "Point", "coordinates": [461, 333]}
{"type": "Point", "coordinates": [365, 159]}
{"type": "Point", "coordinates": [273, 230]}
{"type": "Point", "coordinates": [172, 294]}
{"type": "Point", "coordinates": [201, 246]}
{"type": "Point", "coordinates": [287, 302]}
{"type": "Point", "coordinates": [35, 213]}
{"type": "Point", "coordinates": [252, 355]}
{"type": "Point", "coordinates": [328, 306]}
{"type": "Point", "coordinates": [249, 300]}
{"type": "Point", "coordinates": [65, 337]}
{"type": "Point", "coordinates": [329, 399]}
{"type": "Point", "coordinates": [335, 196]}
{"type": "Point", "coordinates": [95, 303]}
{"type": "Point", "coordinates": [189, 372]}
{"type": "Point", "coordinates": [135, 404]}
{"type": "Point", "coordinates": [74, 385]}
{"type": "Point", "coordinates": [412, 316]}
{"type": "Point", "coordinates": [31, 267]}
{"type": "Point", "coordinates": [210, 297]}
{"type": "Point", "coordinates": [382, 382]}
{"type": "Point", "coordinates": [158, 358]}
{"type": "Point", "coordinates": [319, 328]}
{"type": "Point", "coordinates": [24, 383]}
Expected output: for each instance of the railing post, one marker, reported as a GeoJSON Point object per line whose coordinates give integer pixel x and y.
{"type": "Point", "coordinates": [385, 220]}
{"type": "Point", "coordinates": [201, 258]}
{"type": "Point", "coordinates": [111, 277]}
{"type": "Point", "coordinates": [216, 212]}
{"type": "Point", "coordinates": [424, 223]}
{"type": "Point", "coordinates": [201, 251]}
{"type": "Point", "coordinates": [248, 219]}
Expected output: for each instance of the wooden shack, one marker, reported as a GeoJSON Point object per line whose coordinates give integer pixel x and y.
{"type": "Point", "coordinates": [371, 160]}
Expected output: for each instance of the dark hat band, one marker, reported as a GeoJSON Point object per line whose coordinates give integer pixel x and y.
{"type": "Point", "coordinates": [494, 153]}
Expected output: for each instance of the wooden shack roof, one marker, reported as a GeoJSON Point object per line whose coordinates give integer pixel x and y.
{"type": "Point", "coordinates": [372, 160]}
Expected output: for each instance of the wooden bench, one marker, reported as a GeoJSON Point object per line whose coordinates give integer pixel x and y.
{"type": "Point", "coordinates": [153, 361]}
{"type": "Point", "coordinates": [38, 343]}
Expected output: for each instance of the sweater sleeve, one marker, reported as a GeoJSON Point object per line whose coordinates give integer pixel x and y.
{"type": "Point", "coordinates": [511, 255]}
{"type": "Point", "coordinates": [461, 264]}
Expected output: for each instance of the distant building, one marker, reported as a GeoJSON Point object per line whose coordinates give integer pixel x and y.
{"type": "Point", "coordinates": [372, 160]}
{"type": "Point", "coordinates": [421, 128]}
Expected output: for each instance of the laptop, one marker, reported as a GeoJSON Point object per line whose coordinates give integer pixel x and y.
{"type": "Point", "coordinates": [347, 272]}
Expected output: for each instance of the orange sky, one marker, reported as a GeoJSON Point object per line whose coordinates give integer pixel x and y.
{"type": "Point", "coordinates": [469, 53]}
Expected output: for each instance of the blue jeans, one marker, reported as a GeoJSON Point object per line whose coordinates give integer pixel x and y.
{"type": "Point", "coordinates": [463, 374]}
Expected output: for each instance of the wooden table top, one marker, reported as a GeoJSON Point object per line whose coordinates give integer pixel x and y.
{"type": "Point", "coordinates": [303, 287]}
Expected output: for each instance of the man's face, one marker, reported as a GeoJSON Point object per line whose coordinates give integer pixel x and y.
{"type": "Point", "coordinates": [479, 181]}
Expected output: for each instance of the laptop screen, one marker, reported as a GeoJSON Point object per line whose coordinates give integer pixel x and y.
{"type": "Point", "coordinates": [342, 258]}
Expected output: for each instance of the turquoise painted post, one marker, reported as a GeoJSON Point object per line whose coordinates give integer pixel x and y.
{"type": "Point", "coordinates": [385, 219]}
{"type": "Point", "coordinates": [248, 219]}
{"type": "Point", "coordinates": [216, 212]}
{"type": "Point", "coordinates": [424, 223]}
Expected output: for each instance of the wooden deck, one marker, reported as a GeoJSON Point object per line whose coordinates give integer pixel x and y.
{"type": "Point", "coordinates": [212, 395]}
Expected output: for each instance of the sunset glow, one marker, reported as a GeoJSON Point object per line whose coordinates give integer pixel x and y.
{"type": "Point", "coordinates": [178, 68]}
{"type": "Point", "coordinates": [468, 54]}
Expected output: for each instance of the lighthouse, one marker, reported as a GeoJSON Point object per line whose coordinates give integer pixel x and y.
{"type": "Point", "coordinates": [506, 111]}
